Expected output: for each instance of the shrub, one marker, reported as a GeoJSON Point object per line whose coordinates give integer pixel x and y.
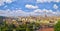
{"type": "Point", "coordinates": [23, 27]}
{"type": "Point", "coordinates": [57, 26]}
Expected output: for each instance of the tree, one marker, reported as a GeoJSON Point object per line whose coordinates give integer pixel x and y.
{"type": "Point", "coordinates": [57, 26]}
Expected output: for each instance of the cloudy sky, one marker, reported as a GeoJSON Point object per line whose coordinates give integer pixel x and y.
{"type": "Point", "coordinates": [29, 7]}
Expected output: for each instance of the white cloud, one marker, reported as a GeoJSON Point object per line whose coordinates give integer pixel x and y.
{"type": "Point", "coordinates": [42, 1]}
{"type": "Point", "coordinates": [55, 6]}
{"type": "Point", "coordinates": [17, 12]}
{"type": "Point", "coordinates": [1, 2]}
{"type": "Point", "coordinates": [37, 10]}
{"type": "Point", "coordinates": [56, 0]}
{"type": "Point", "coordinates": [20, 12]}
{"type": "Point", "coordinates": [42, 12]}
{"type": "Point", "coordinates": [48, 11]}
{"type": "Point", "coordinates": [31, 6]}
{"type": "Point", "coordinates": [9, 12]}
{"type": "Point", "coordinates": [7, 1]}
{"type": "Point", "coordinates": [54, 12]}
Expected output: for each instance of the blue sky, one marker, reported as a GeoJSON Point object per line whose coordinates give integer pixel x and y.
{"type": "Point", "coordinates": [29, 7]}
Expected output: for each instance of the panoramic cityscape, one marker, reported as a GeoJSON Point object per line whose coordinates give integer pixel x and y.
{"type": "Point", "coordinates": [29, 15]}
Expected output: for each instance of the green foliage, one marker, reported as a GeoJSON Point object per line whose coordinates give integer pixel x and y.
{"type": "Point", "coordinates": [57, 26]}
{"type": "Point", "coordinates": [23, 27]}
